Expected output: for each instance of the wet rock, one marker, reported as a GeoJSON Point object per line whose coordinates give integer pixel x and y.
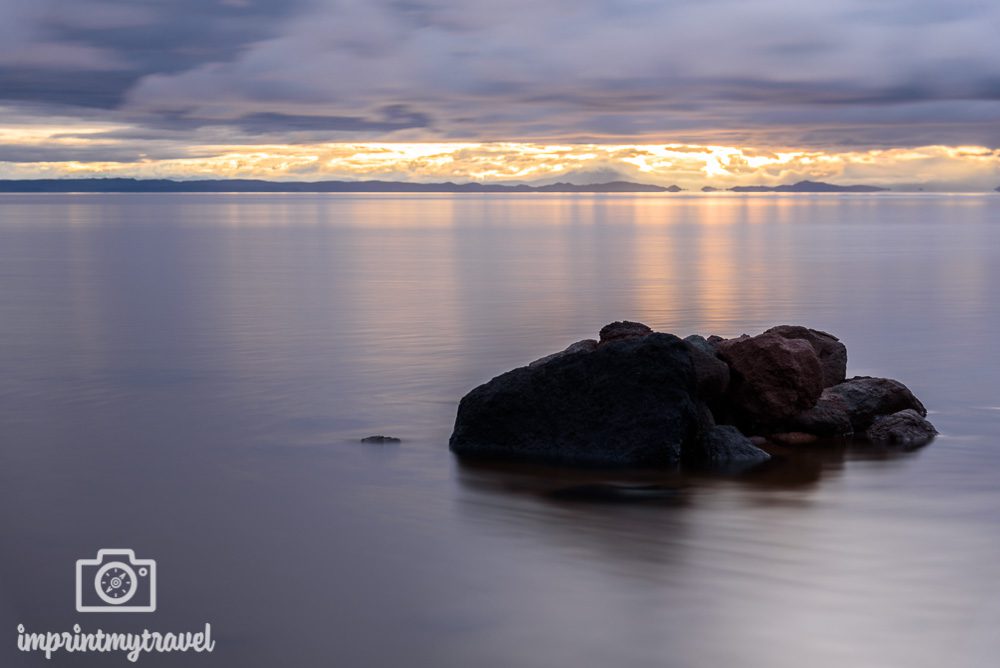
{"type": "Point", "coordinates": [623, 329]}
{"type": "Point", "coordinates": [711, 373]}
{"type": "Point", "coordinates": [725, 447]}
{"type": "Point", "coordinates": [773, 377]}
{"type": "Point", "coordinates": [379, 438]}
{"type": "Point", "coordinates": [630, 402]}
{"type": "Point", "coordinates": [906, 428]}
{"type": "Point", "coordinates": [585, 346]}
{"type": "Point", "coordinates": [831, 352]}
{"type": "Point", "coordinates": [792, 438]}
{"type": "Point", "coordinates": [865, 398]}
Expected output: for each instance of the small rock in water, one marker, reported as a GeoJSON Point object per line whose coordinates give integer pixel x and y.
{"type": "Point", "coordinates": [907, 428]}
{"type": "Point", "coordinates": [379, 438]}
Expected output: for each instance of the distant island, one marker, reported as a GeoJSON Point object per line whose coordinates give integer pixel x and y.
{"type": "Point", "coordinates": [808, 187]}
{"type": "Point", "coordinates": [113, 185]}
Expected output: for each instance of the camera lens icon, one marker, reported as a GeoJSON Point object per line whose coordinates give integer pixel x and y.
{"type": "Point", "coordinates": [115, 582]}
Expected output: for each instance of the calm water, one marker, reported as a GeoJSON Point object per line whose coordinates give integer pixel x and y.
{"type": "Point", "coordinates": [189, 375]}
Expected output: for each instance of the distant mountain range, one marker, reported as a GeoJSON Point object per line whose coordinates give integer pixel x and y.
{"type": "Point", "coordinates": [259, 186]}
{"type": "Point", "coordinates": [808, 187]}
{"type": "Point", "coordinates": [115, 185]}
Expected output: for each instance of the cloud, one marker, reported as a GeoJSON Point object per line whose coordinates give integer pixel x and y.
{"type": "Point", "coordinates": [197, 79]}
{"type": "Point", "coordinates": [618, 68]}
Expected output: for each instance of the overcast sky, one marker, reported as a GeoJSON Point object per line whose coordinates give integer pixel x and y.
{"type": "Point", "coordinates": [129, 80]}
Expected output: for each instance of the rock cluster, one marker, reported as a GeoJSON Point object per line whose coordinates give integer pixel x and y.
{"type": "Point", "coordinates": [641, 398]}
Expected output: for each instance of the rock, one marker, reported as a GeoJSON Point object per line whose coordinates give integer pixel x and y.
{"type": "Point", "coordinates": [758, 440]}
{"type": "Point", "coordinates": [714, 340]}
{"type": "Point", "coordinates": [906, 427]}
{"type": "Point", "coordinates": [724, 447]}
{"type": "Point", "coordinates": [793, 438]}
{"type": "Point", "coordinates": [831, 352]}
{"type": "Point", "coordinates": [827, 418]}
{"type": "Point", "coordinates": [630, 402]}
{"type": "Point", "coordinates": [585, 346]}
{"type": "Point", "coordinates": [711, 373]}
{"type": "Point", "coordinates": [773, 377]}
{"type": "Point", "coordinates": [865, 398]}
{"type": "Point", "coordinates": [623, 329]}
{"type": "Point", "coordinates": [379, 438]}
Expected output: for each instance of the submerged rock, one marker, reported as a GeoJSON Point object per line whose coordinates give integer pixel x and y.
{"type": "Point", "coordinates": [772, 377]}
{"type": "Point", "coordinates": [907, 428]}
{"type": "Point", "coordinates": [379, 438]}
{"type": "Point", "coordinates": [630, 402]}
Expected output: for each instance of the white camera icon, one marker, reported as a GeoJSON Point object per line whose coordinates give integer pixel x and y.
{"type": "Point", "coordinates": [115, 582]}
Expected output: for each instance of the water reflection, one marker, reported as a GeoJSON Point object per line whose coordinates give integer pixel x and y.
{"type": "Point", "coordinates": [190, 375]}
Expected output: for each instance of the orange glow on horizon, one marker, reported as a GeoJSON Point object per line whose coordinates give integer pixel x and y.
{"type": "Point", "coordinates": [689, 166]}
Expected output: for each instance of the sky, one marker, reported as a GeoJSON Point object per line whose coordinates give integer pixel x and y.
{"type": "Point", "coordinates": [903, 93]}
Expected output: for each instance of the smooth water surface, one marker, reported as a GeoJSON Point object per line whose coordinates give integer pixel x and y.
{"type": "Point", "coordinates": [189, 376]}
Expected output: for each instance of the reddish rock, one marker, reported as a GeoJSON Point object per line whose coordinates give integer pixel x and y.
{"type": "Point", "coordinates": [623, 329]}
{"type": "Point", "coordinates": [831, 352]}
{"type": "Point", "coordinates": [773, 378]}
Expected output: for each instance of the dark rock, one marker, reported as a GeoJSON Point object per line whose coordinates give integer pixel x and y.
{"type": "Point", "coordinates": [724, 447]}
{"type": "Point", "coordinates": [758, 441]}
{"type": "Point", "coordinates": [623, 329]}
{"type": "Point", "coordinates": [865, 398]}
{"type": "Point", "coordinates": [906, 428]}
{"type": "Point", "coordinates": [711, 373]}
{"type": "Point", "coordinates": [773, 378]}
{"type": "Point", "coordinates": [630, 402]}
{"type": "Point", "coordinates": [379, 438]}
{"type": "Point", "coordinates": [827, 418]}
{"type": "Point", "coordinates": [715, 340]}
{"type": "Point", "coordinates": [831, 352]}
{"type": "Point", "coordinates": [617, 493]}
{"type": "Point", "coordinates": [585, 346]}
